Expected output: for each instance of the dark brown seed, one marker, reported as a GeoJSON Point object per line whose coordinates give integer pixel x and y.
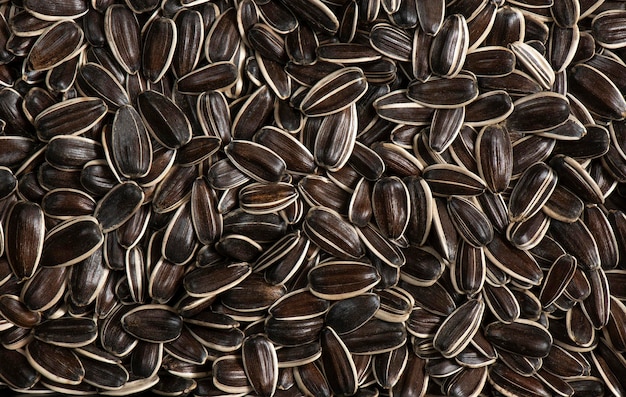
{"type": "Point", "coordinates": [165, 121]}
{"type": "Point", "coordinates": [344, 317]}
{"type": "Point", "coordinates": [72, 152]}
{"type": "Point", "coordinates": [317, 13]}
{"type": "Point", "coordinates": [389, 366]}
{"type": "Point", "coordinates": [298, 305]}
{"type": "Point", "coordinates": [579, 242]}
{"type": "Point", "coordinates": [55, 45]}
{"type": "Point", "coordinates": [335, 139]}
{"type": "Point", "coordinates": [596, 307]}
{"type": "Point", "coordinates": [190, 31]}
{"type": "Point", "coordinates": [215, 76]}
{"type": "Point", "coordinates": [420, 199]}
{"type": "Point", "coordinates": [50, 12]}
{"type": "Point", "coordinates": [261, 364]}
{"type": "Point", "coordinates": [563, 205]}
{"type": "Point", "coordinates": [459, 328]}
{"type": "Point", "coordinates": [95, 80]}
{"type": "Point", "coordinates": [337, 280]}
{"type": "Point", "coordinates": [339, 366]}
{"type": "Point", "coordinates": [153, 323]}
{"type": "Point", "coordinates": [516, 263]}
{"type": "Point", "coordinates": [45, 288]}
{"type": "Point", "coordinates": [16, 312]}
{"type": "Point", "coordinates": [491, 61]}
{"type": "Point", "coordinates": [71, 117]}
{"type": "Point", "coordinates": [118, 205]}
{"type": "Point", "coordinates": [131, 148]}
{"type": "Point", "coordinates": [494, 157]}
{"type": "Point", "coordinates": [334, 92]}
{"type": "Point", "coordinates": [559, 275]}
{"type": "Point", "coordinates": [447, 180]}
{"type": "Point", "coordinates": [67, 331]}
{"type": "Point", "coordinates": [330, 232]}
{"type": "Point", "coordinates": [123, 35]}
{"type": "Point", "coordinates": [606, 28]}
{"type": "Point", "coordinates": [538, 178]}
{"type": "Point", "coordinates": [390, 204]}
{"type": "Point", "coordinates": [536, 344]}
{"type": "Point", "coordinates": [391, 41]}
{"type": "Point", "coordinates": [297, 157]}
{"type": "Point", "coordinates": [534, 62]}
{"type": "Point", "coordinates": [207, 222]}
{"type": "Point", "coordinates": [208, 281]}
{"type": "Point", "coordinates": [459, 91]}
{"type": "Point", "coordinates": [229, 375]}
{"type": "Point", "coordinates": [506, 380]}
{"type": "Point", "coordinates": [397, 107]}
{"type": "Point", "coordinates": [596, 92]}
{"type": "Point", "coordinates": [19, 374]}
{"type": "Point", "coordinates": [179, 242]}
{"type": "Point", "coordinates": [381, 337]}
{"type": "Point", "coordinates": [256, 161]}
{"type": "Point", "coordinates": [449, 47]}
{"type": "Point", "coordinates": [573, 176]}
{"type": "Point", "coordinates": [159, 44]}
{"type": "Point", "coordinates": [55, 363]}
{"type": "Point", "coordinates": [471, 223]}
{"type": "Point", "coordinates": [71, 241]}
{"type": "Point", "coordinates": [446, 125]}
{"type": "Point", "coordinates": [25, 225]}
{"type": "Point", "coordinates": [253, 113]}
{"type": "Point", "coordinates": [320, 191]}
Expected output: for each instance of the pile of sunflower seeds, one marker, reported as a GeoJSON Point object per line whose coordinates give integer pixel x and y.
{"type": "Point", "coordinates": [313, 197]}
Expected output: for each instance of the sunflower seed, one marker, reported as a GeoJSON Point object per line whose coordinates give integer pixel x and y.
{"type": "Point", "coordinates": [123, 35]}
{"type": "Point", "coordinates": [449, 47]}
{"type": "Point", "coordinates": [447, 180]}
{"type": "Point", "coordinates": [165, 121]}
{"type": "Point", "coordinates": [458, 329]}
{"type": "Point", "coordinates": [459, 90]}
{"type": "Point", "coordinates": [260, 364]}
{"type": "Point", "coordinates": [95, 80]}
{"type": "Point", "coordinates": [598, 94]}
{"type": "Point", "coordinates": [25, 222]}
{"type": "Point", "coordinates": [143, 321]}
{"type": "Point", "coordinates": [85, 113]}
{"type": "Point", "coordinates": [334, 92]}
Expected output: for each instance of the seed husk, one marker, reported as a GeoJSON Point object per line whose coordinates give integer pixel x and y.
{"type": "Point", "coordinates": [152, 323]}
{"type": "Point", "coordinates": [165, 121]}
{"type": "Point", "coordinates": [335, 92]}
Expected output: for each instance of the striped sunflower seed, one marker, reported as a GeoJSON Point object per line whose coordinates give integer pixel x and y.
{"type": "Point", "coordinates": [71, 117]}
{"type": "Point", "coordinates": [58, 364]}
{"type": "Point", "coordinates": [123, 35]}
{"type": "Point", "coordinates": [459, 91]}
{"type": "Point", "coordinates": [493, 142]}
{"type": "Point", "coordinates": [334, 92]}
{"type": "Point", "coordinates": [449, 47]}
{"type": "Point", "coordinates": [143, 321]}
{"type": "Point", "coordinates": [331, 233]}
{"type": "Point", "coordinates": [165, 121]}
{"type": "Point", "coordinates": [260, 364]}
{"type": "Point", "coordinates": [335, 280]}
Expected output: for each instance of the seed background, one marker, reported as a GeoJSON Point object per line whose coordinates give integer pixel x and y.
{"type": "Point", "coordinates": [313, 197]}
